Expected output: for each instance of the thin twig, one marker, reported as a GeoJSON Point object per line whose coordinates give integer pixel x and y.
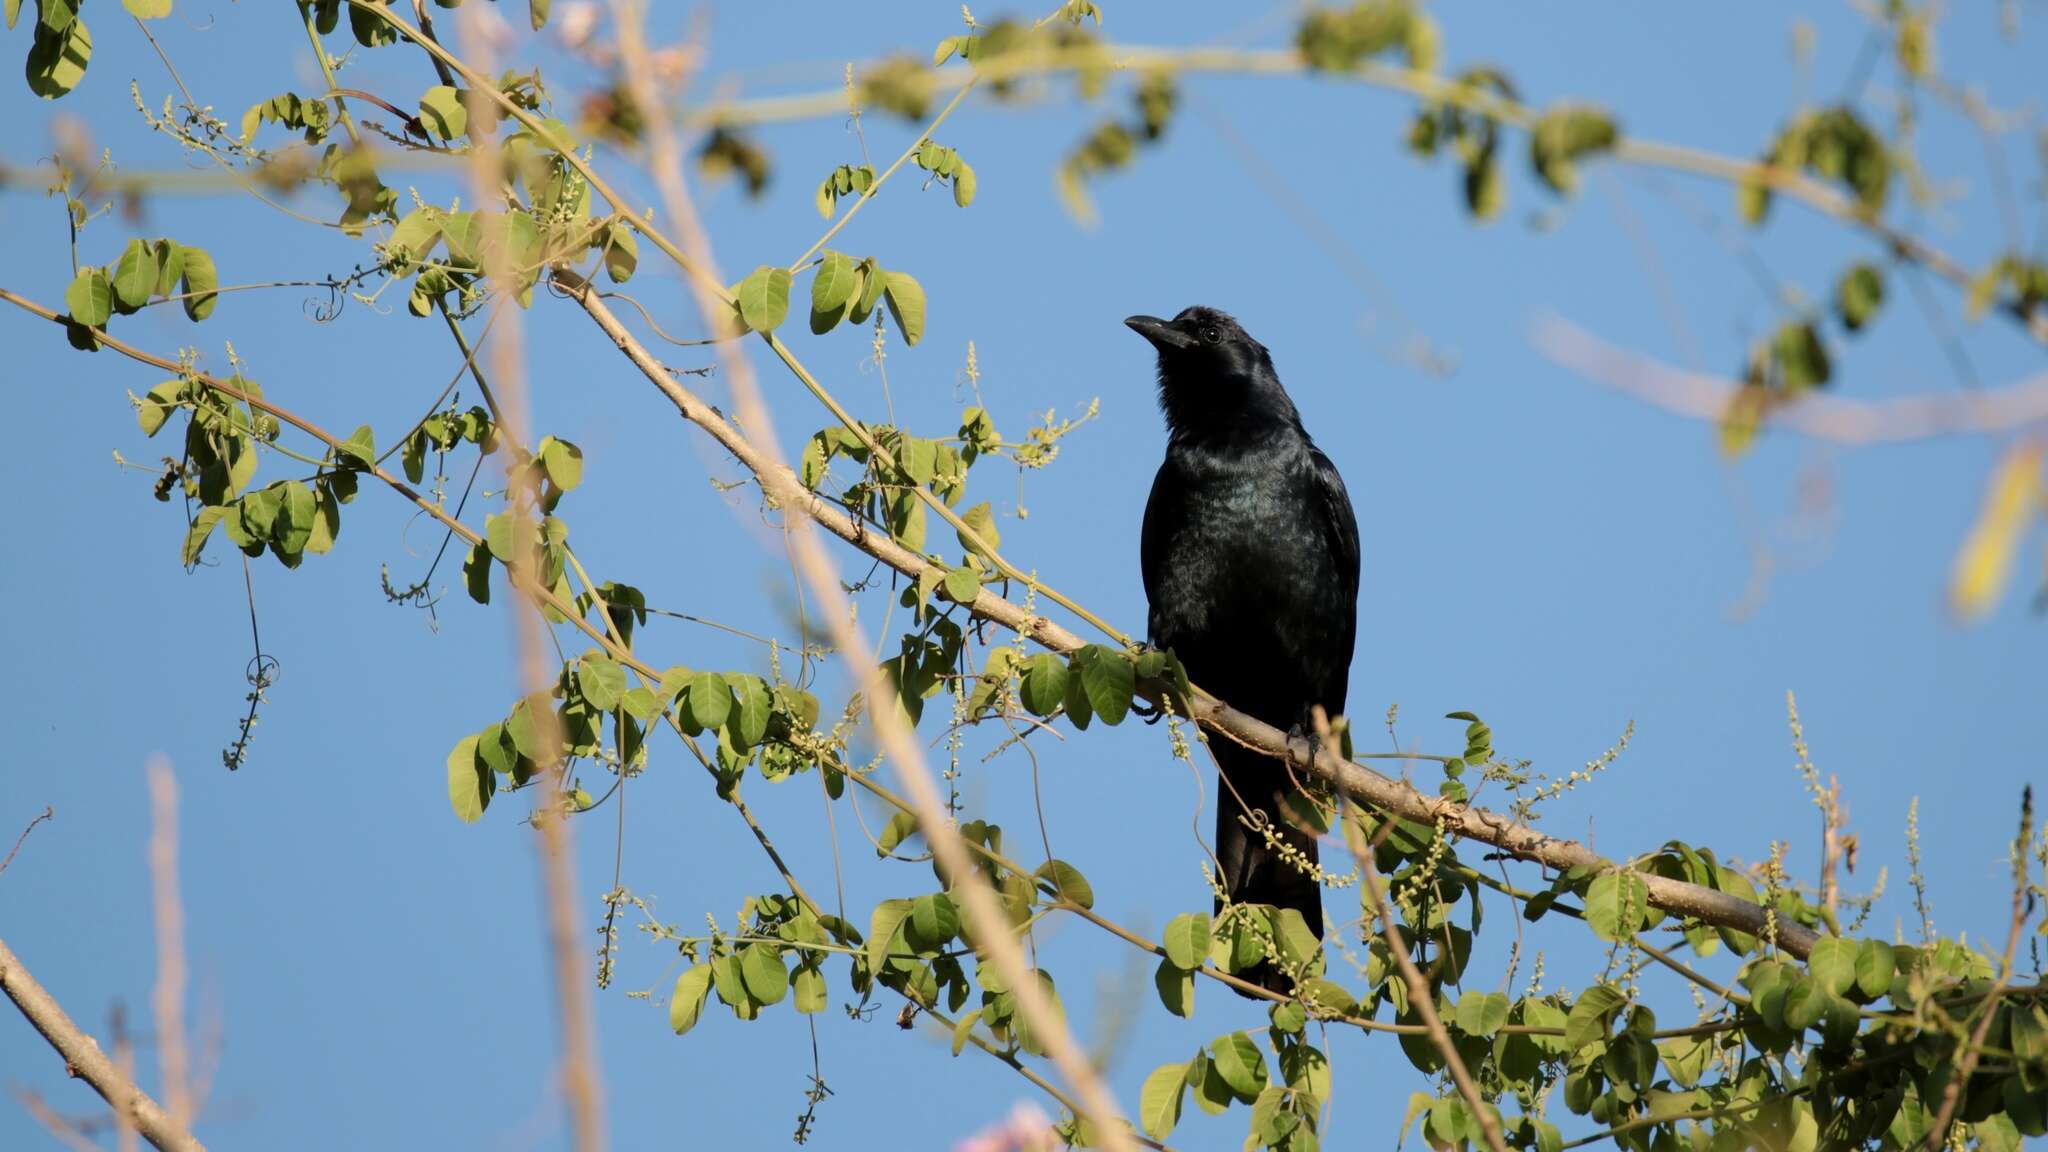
{"type": "Point", "coordinates": [54, 1122]}
{"type": "Point", "coordinates": [48, 813]}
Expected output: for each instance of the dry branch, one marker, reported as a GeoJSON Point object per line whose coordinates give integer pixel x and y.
{"type": "Point", "coordinates": [84, 1059]}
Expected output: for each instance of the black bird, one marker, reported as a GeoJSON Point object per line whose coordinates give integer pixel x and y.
{"type": "Point", "coordinates": [1250, 556]}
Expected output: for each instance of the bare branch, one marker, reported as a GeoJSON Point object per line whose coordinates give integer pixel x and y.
{"type": "Point", "coordinates": [48, 813]}
{"type": "Point", "coordinates": [84, 1059]}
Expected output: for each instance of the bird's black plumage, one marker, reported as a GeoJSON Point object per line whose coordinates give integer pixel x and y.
{"type": "Point", "coordinates": [1250, 557]}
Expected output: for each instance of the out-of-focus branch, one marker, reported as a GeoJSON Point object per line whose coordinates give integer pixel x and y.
{"type": "Point", "coordinates": [1831, 418]}
{"type": "Point", "coordinates": [169, 1000]}
{"type": "Point", "coordinates": [1432, 86]}
{"type": "Point", "coordinates": [990, 929]}
{"type": "Point", "coordinates": [84, 1059]}
{"type": "Point", "coordinates": [579, 1070]}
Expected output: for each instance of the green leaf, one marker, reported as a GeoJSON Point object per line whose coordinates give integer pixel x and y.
{"type": "Point", "coordinates": [833, 286]}
{"type": "Point", "coordinates": [764, 298]}
{"type": "Point", "coordinates": [766, 979]}
{"type": "Point", "coordinates": [1299, 947]}
{"type": "Point", "coordinates": [809, 985]}
{"type": "Point", "coordinates": [563, 462]}
{"type": "Point", "coordinates": [748, 722]}
{"type": "Point", "coordinates": [1289, 1017]}
{"type": "Point", "coordinates": [933, 921]}
{"type": "Point", "coordinates": [1067, 881]}
{"type": "Point", "coordinates": [1159, 1100]}
{"type": "Point", "coordinates": [887, 917]}
{"type": "Point", "coordinates": [443, 112]}
{"type": "Point", "coordinates": [901, 826]}
{"type": "Point", "coordinates": [57, 60]}
{"type": "Point", "coordinates": [983, 522]}
{"type": "Point", "coordinates": [415, 235]}
{"type": "Point", "coordinates": [1616, 905]}
{"type": "Point", "coordinates": [1187, 939]}
{"type": "Point", "coordinates": [621, 252]}
{"type": "Point", "coordinates": [1833, 964]}
{"type": "Point", "coordinates": [470, 781]}
{"type": "Point", "coordinates": [135, 275]}
{"type": "Point", "coordinates": [961, 585]}
{"type": "Point", "coordinates": [1326, 996]}
{"type": "Point", "coordinates": [907, 520]}
{"type": "Point", "coordinates": [297, 510]}
{"type": "Point", "coordinates": [687, 1001]}
{"type": "Point", "coordinates": [1481, 1013]}
{"type": "Point", "coordinates": [906, 305]}
{"type": "Point", "coordinates": [602, 682]}
{"type": "Point", "coordinates": [412, 457]}
{"type": "Point", "coordinates": [1243, 1067]}
{"type": "Point", "coordinates": [90, 298]}
{"type": "Point", "coordinates": [731, 984]}
{"type": "Point", "coordinates": [195, 536]}
{"type": "Point", "coordinates": [1591, 1016]}
{"type": "Point", "coordinates": [963, 1028]}
{"type": "Point", "coordinates": [197, 284]}
{"type": "Point", "coordinates": [871, 282]}
{"type": "Point", "coordinates": [1044, 684]}
{"type": "Point", "coordinates": [963, 185]}
{"type": "Point", "coordinates": [1108, 681]}
{"type": "Point", "coordinates": [1176, 987]}
{"type": "Point", "coordinates": [1858, 295]}
{"type": "Point", "coordinates": [1875, 961]}
{"type": "Point", "coordinates": [476, 573]}
{"type": "Point", "coordinates": [709, 700]}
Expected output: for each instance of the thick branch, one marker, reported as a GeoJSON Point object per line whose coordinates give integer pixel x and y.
{"type": "Point", "coordinates": [1361, 784]}
{"type": "Point", "coordinates": [84, 1059]}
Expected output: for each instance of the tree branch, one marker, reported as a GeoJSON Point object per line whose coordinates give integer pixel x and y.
{"type": "Point", "coordinates": [84, 1059]}
{"type": "Point", "coordinates": [1361, 784]}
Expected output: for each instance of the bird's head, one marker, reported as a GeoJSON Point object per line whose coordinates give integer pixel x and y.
{"type": "Point", "coordinates": [1211, 370]}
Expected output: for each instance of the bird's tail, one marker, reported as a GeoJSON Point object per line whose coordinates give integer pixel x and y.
{"type": "Point", "coordinates": [1254, 870]}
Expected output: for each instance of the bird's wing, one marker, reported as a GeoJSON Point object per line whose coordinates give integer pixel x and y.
{"type": "Point", "coordinates": [1164, 512]}
{"type": "Point", "coordinates": [1340, 526]}
{"type": "Point", "coordinates": [1340, 530]}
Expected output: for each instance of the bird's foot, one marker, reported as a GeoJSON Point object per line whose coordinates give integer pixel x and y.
{"type": "Point", "coordinates": [1147, 655]}
{"type": "Point", "coordinates": [1302, 735]}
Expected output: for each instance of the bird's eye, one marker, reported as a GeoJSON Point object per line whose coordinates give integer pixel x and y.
{"type": "Point", "coordinates": [1212, 335]}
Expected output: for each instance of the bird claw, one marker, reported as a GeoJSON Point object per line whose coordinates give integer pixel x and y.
{"type": "Point", "coordinates": [1300, 732]}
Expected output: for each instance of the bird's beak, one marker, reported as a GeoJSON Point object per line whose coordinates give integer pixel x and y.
{"type": "Point", "coordinates": [1162, 335]}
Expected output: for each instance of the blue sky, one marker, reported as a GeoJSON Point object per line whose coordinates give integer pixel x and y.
{"type": "Point", "coordinates": [1558, 558]}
